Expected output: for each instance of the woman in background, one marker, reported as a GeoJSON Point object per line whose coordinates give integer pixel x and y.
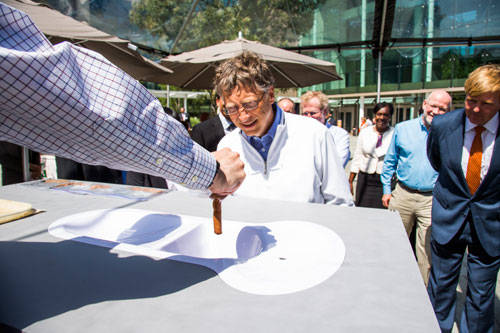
{"type": "Point", "coordinates": [371, 148]}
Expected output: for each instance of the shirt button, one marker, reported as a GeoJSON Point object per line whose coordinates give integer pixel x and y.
{"type": "Point", "coordinates": [194, 179]}
{"type": "Point", "coordinates": [159, 161]}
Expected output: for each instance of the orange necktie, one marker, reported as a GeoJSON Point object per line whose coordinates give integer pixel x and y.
{"type": "Point", "coordinates": [473, 176]}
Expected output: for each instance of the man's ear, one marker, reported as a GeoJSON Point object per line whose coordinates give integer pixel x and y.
{"type": "Point", "coordinates": [270, 93]}
{"type": "Point", "coordinates": [424, 104]}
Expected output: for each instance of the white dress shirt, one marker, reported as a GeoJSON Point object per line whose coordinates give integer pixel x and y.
{"type": "Point", "coordinates": [302, 164]}
{"type": "Point", "coordinates": [488, 137]}
{"type": "Point", "coordinates": [367, 157]}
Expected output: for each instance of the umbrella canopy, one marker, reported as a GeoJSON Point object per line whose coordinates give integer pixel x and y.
{"type": "Point", "coordinates": [196, 69]}
{"type": "Point", "coordinates": [58, 27]}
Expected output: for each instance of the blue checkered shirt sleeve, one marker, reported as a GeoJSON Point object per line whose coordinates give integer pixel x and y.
{"type": "Point", "coordinates": [72, 102]}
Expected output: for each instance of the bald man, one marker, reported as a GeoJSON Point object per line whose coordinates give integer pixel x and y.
{"type": "Point", "coordinates": [287, 105]}
{"type": "Point", "coordinates": [407, 157]}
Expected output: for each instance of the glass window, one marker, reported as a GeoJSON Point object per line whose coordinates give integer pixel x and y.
{"type": "Point", "coordinates": [446, 18]}
{"type": "Point", "coordinates": [339, 21]}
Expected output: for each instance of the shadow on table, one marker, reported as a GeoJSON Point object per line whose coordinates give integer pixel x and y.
{"type": "Point", "coordinates": [41, 280]}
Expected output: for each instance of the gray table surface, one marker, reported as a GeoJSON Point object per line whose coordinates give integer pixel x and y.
{"type": "Point", "coordinates": [53, 285]}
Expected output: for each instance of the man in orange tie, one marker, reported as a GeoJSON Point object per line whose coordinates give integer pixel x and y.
{"type": "Point", "coordinates": [464, 148]}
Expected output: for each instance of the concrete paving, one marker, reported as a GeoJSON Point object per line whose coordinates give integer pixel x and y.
{"type": "Point", "coordinates": [462, 285]}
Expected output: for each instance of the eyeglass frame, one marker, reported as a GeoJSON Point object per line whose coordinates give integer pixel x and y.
{"type": "Point", "coordinates": [310, 113]}
{"type": "Point", "coordinates": [242, 105]}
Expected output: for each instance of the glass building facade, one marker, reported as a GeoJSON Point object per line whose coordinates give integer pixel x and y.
{"type": "Point", "coordinates": [433, 44]}
{"type": "Point", "coordinates": [427, 44]}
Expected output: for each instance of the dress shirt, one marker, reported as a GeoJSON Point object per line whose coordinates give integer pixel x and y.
{"type": "Point", "coordinates": [72, 102]}
{"type": "Point", "coordinates": [341, 139]}
{"type": "Point", "coordinates": [227, 125]}
{"type": "Point", "coordinates": [407, 156]}
{"type": "Point", "coordinates": [367, 157]}
{"type": "Point", "coordinates": [302, 164]}
{"type": "Point", "coordinates": [488, 138]}
{"type": "Point", "coordinates": [263, 144]}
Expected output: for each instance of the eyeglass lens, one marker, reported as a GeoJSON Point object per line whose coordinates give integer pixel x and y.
{"type": "Point", "coordinates": [248, 106]}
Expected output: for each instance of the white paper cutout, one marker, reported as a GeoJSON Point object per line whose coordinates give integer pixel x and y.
{"type": "Point", "coordinates": [266, 259]}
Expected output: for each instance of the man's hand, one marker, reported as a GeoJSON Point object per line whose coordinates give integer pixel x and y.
{"type": "Point", "coordinates": [230, 175]}
{"type": "Point", "coordinates": [385, 200]}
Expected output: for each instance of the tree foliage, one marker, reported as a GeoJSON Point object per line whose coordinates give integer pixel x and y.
{"type": "Point", "coordinates": [276, 22]}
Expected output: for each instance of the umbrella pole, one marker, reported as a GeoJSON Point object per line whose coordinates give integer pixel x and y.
{"type": "Point", "coordinates": [26, 164]}
{"type": "Point", "coordinates": [379, 75]}
{"type": "Point", "coordinates": [168, 95]}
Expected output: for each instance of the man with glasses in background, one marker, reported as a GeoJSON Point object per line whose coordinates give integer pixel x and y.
{"type": "Point", "coordinates": [407, 157]}
{"type": "Point", "coordinates": [286, 156]}
{"type": "Point", "coordinates": [314, 104]}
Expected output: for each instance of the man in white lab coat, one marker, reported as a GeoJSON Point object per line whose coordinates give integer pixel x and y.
{"type": "Point", "coordinates": [286, 156]}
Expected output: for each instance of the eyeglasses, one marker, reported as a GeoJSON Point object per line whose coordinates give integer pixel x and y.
{"type": "Point", "coordinates": [311, 113]}
{"type": "Point", "coordinates": [248, 106]}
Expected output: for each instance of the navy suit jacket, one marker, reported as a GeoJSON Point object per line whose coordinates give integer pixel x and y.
{"type": "Point", "coordinates": [452, 201]}
{"type": "Point", "coordinates": [208, 133]}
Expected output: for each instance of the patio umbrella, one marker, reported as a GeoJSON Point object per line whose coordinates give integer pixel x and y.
{"type": "Point", "coordinates": [59, 27]}
{"type": "Point", "coordinates": [196, 69]}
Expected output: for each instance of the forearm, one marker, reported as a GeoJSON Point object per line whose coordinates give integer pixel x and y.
{"type": "Point", "coordinates": [352, 176]}
{"type": "Point", "coordinates": [81, 107]}
{"type": "Point", "coordinates": [385, 179]}
{"type": "Point", "coordinates": [389, 167]}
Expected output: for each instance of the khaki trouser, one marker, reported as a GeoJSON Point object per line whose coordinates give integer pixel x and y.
{"type": "Point", "coordinates": [416, 207]}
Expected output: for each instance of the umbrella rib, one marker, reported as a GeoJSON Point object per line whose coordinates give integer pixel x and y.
{"type": "Point", "coordinates": [336, 77]}
{"type": "Point", "coordinates": [196, 76]}
{"type": "Point", "coordinates": [123, 50]}
{"type": "Point", "coordinates": [284, 75]}
{"type": "Point", "coordinates": [81, 41]}
{"type": "Point", "coordinates": [141, 58]}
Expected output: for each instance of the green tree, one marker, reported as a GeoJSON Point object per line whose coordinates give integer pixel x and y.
{"type": "Point", "coordinates": [276, 22]}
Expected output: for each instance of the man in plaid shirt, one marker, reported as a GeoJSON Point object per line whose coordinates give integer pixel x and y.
{"type": "Point", "coordinates": [72, 102]}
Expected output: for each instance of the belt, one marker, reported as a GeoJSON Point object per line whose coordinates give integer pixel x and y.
{"type": "Point", "coordinates": [411, 190]}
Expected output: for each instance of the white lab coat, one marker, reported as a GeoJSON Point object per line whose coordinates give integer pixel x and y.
{"type": "Point", "coordinates": [341, 139]}
{"type": "Point", "coordinates": [302, 164]}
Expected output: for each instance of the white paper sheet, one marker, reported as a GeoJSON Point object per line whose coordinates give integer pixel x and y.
{"type": "Point", "coordinates": [266, 259]}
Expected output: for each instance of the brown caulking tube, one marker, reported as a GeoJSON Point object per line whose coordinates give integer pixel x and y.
{"type": "Point", "coordinates": [216, 204]}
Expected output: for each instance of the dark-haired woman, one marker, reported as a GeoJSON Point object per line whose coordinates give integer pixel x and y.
{"type": "Point", "coordinates": [371, 148]}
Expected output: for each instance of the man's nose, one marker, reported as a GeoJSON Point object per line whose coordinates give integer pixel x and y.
{"type": "Point", "coordinates": [243, 114]}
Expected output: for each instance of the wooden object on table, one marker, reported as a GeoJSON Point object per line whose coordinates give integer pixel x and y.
{"type": "Point", "coordinates": [217, 206]}
{"type": "Point", "coordinates": [13, 210]}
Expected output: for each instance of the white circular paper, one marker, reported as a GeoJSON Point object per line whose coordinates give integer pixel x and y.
{"type": "Point", "coordinates": [266, 258]}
